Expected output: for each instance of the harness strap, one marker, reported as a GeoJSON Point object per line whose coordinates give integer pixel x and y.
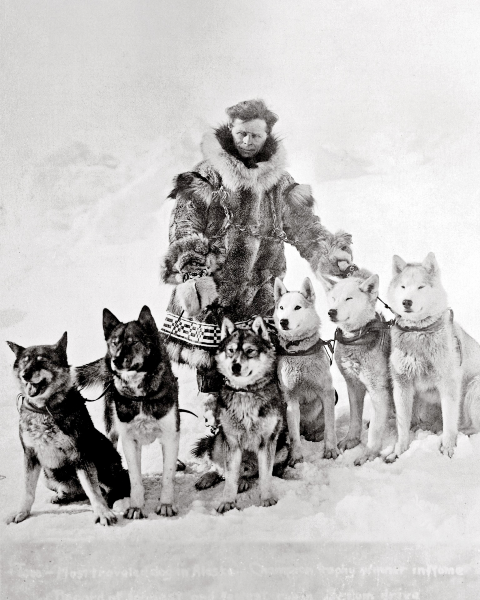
{"type": "Point", "coordinates": [371, 332]}
{"type": "Point", "coordinates": [432, 328]}
{"type": "Point", "coordinates": [317, 347]}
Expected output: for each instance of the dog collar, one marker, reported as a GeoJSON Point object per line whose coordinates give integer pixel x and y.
{"type": "Point", "coordinates": [255, 387]}
{"type": "Point", "coordinates": [371, 332]}
{"type": "Point", "coordinates": [317, 347]}
{"type": "Point", "coordinates": [432, 328]}
{"type": "Point", "coordinates": [64, 408]}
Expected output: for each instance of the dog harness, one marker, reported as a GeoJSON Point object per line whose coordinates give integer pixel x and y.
{"type": "Point", "coordinates": [315, 349]}
{"type": "Point", "coordinates": [432, 328]}
{"type": "Point", "coordinates": [372, 332]}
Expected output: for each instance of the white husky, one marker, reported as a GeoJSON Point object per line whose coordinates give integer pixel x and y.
{"type": "Point", "coordinates": [434, 363]}
{"type": "Point", "coordinates": [304, 370]}
{"type": "Point", "coordinates": [361, 352]}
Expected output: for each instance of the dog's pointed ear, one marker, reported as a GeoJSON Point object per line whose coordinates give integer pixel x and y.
{"type": "Point", "coordinates": [110, 321]}
{"type": "Point", "coordinates": [15, 348]}
{"type": "Point", "coordinates": [61, 345]}
{"type": "Point", "coordinates": [279, 289]}
{"type": "Point", "coordinates": [146, 320]}
{"type": "Point", "coordinates": [430, 264]}
{"type": "Point", "coordinates": [307, 290]}
{"type": "Point", "coordinates": [370, 285]}
{"type": "Point", "coordinates": [227, 328]}
{"type": "Point", "coordinates": [398, 265]}
{"type": "Point", "coordinates": [259, 327]}
{"type": "Point", "coordinates": [327, 282]}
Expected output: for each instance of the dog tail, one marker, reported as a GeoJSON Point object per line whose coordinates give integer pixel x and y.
{"type": "Point", "coordinates": [94, 373]}
{"type": "Point", "coordinates": [203, 446]}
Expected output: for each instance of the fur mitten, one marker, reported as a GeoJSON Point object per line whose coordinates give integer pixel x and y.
{"type": "Point", "coordinates": [189, 257]}
{"type": "Point", "coordinates": [336, 255]}
{"type": "Point", "coordinates": [195, 295]}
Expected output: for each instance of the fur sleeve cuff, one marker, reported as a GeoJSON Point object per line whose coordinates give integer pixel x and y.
{"type": "Point", "coordinates": [190, 253]}
{"type": "Point", "coordinates": [300, 195]}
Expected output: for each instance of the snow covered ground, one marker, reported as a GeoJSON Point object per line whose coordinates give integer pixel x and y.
{"type": "Point", "coordinates": [84, 227]}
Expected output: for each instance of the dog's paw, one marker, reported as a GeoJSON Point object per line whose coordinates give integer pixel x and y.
{"type": "Point", "coordinates": [105, 517]}
{"type": "Point", "coordinates": [331, 452]}
{"type": "Point", "coordinates": [269, 501]}
{"type": "Point", "coordinates": [134, 513]}
{"type": "Point", "coordinates": [365, 457]}
{"type": "Point", "coordinates": [224, 507]}
{"type": "Point", "coordinates": [17, 517]}
{"type": "Point", "coordinates": [391, 458]}
{"type": "Point", "coordinates": [165, 510]}
{"type": "Point", "coordinates": [295, 457]}
{"type": "Point", "coordinates": [244, 485]}
{"type": "Point", "coordinates": [447, 449]}
{"type": "Point", "coordinates": [348, 443]}
{"type": "Point", "coordinates": [208, 480]}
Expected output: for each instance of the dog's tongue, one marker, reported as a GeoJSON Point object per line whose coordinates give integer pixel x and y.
{"type": "Point", "coordinates": [32, 389]}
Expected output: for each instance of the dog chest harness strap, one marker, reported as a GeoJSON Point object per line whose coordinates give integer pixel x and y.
{"type": "Point", "coordinates": [432, 328]}
{"type": "Point", "coordinates": [317, 347]}
{"type": "Point", "coordinates": [372, 331]}
{"type": "Point", "coordinates": [435, 326]}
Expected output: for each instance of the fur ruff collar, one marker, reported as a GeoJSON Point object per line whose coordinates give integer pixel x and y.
{"type": "Point", "coordinates": [260, 173]}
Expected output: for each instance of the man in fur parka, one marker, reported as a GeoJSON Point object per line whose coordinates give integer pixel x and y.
{"type": "Point", "coordinates": [231, 218]}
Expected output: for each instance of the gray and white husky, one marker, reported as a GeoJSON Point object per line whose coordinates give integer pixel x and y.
{"type": "Point", "coordinates": [362, 351]}
{"type": "Point", "coordinates": [435, 365]}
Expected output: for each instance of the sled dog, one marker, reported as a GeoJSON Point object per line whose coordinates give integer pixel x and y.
{"type": "Point", "coordinates": [435, 365]}
{"type": "Point", "coordinates": [141, 401]}
{"type": "Point", "coordinates": [58, 436]}
{"type": "Point", "coordinates": [304, 370]}
{"type": "Point", "coordinates": [249, 411]}
{"type": "Point", "coordinates": [362, 348]}
{"type": "Point", "coordinates": [213, 447]}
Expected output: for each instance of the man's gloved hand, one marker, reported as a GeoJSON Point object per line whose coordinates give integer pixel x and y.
{"type": "Point", "coordinates": [208, 403]}
{"type": "Point", "coordinates": [342, 258]}
{"type": "Point", "coordinates": [339, 257]}
{"type": "Point", "coordinates": [194, 295]}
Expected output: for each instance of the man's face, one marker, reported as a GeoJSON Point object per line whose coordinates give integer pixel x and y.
{"type": "Point", "coordinates": [249, 136]}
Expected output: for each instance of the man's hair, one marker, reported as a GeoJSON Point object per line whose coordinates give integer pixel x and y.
{"type": "Point", "coordinates": [248, 110]}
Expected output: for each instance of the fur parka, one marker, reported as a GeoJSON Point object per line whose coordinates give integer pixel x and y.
{"type": "Point", "coordinates": [231, 218]}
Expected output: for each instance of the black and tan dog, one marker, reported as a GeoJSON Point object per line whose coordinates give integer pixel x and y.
{"type": "Point", "coordinates": [250, 413]}
{"type": "Point", "coordinates": [141, 401]}
{"type": "Point", "coordinates": [58, 435]}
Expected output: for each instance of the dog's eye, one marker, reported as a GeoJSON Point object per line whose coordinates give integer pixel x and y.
{"type": "Point", "coordinates": [281, 307]}
{"type": "Point", "coordinates": [403, 287]}
{"type": "Point", "coordinates": [230, 352]}
{"type": "Point", "coordinates": [420, 287]}
{"type": "Point", "coordinates": [297, 308]}
{"type": "Point", "coordinates": [348, 299]}
{"type": "Point", "coordinates": [251, 352]}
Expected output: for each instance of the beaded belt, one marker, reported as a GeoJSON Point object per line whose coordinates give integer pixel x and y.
{"type": "Point", "coordinates": [196, 333]}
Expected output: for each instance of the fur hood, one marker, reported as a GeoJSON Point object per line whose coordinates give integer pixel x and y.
{"type": "Point", "coordinates": [260, 173]}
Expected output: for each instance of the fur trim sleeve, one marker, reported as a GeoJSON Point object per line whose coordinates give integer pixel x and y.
{"type": "Point", "coordinates": [189, 249]}
{"type": "Point", "coordinates": [305, 231]}
{"type": "Point", "coordinates": [192, 193]}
